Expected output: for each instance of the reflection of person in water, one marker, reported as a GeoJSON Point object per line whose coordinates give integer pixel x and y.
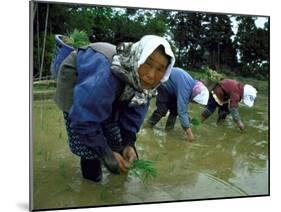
{"type": "Point", "coordinates": [239, 158]}
{"type": "Point", "coordinates": [110, 100]}
{"type": "Point", "coordinates": [226, 95]}
{"type": "Point", "coordinates": [255, 160]}
{"type": "Point", "coordinates": [220, 162]}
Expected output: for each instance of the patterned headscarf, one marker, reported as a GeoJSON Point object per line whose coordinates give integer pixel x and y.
{"type": "Point", "coordinates": [127, 61]}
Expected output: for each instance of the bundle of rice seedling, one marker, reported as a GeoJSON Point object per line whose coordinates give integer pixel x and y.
{"type": "Point", "coordinates": [143, 169]}
{"type": "Point", "coordinates": [195, 122]}
{"type": "Point", "coordinates": [213, 75]}
{"type": "Point", "coordinates": [76, 39]}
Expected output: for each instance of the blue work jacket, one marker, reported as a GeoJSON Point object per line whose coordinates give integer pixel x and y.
{"type": "Point", "coordinates": [96, 103]}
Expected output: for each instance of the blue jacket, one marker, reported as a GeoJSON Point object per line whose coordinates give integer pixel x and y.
{"type": "Point", "coordinates": [179, 86]}
{"type": "Point", "coordinates": [95, 102]}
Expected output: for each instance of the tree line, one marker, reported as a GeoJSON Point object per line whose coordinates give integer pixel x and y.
{"type": "Point", "coordinates": [198, 39]}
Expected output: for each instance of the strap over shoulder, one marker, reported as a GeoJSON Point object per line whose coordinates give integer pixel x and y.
{"type": "Point", "coordinates": [106, 49]}
{"type": "Point", "coordinates": [67, 75]}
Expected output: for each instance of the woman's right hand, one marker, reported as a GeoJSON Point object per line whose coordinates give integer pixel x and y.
{"type": "Point", "coordinates": [189, 135]}
{"type": "Point", "coordinates": [122, 163]}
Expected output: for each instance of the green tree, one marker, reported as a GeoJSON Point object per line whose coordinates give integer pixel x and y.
{"type": "Point", "coordinates": [252, 44]}
{"type": "Point", "coordinates": [217, 41]}
{"type": "Point", "coordinates": [187, 32]}
{"type": "Point", "coordinates": [203, 39]}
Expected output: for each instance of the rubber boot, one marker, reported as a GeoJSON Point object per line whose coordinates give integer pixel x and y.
{"type": "Point", "coordinates": [171, 122]}
{"type": "Point", "coordinates": [154, 119]}
{"type": "Point", "coordinates": [222, 115]}
{"type": "Point", "coordinates": [91, 169]}
{"type": "Point", "coordinates": [205, 114]}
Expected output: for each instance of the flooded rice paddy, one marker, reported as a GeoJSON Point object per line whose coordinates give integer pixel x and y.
{"type": "Point", "coordinates": [222, 162]}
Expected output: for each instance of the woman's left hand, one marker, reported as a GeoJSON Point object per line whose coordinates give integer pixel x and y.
{"type": "Point", "coordinates": [122, 163]}
{"type": "Point", "coordinates": [129, 154]}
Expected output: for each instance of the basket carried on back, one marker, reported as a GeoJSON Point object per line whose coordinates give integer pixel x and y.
{"type": "Point", "coordinates": [62, 51]}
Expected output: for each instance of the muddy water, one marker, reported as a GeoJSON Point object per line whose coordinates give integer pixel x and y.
{"type": "Point", "coordinates": [222, 162]}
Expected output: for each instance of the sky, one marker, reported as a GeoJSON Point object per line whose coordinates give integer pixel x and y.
{"type": "Point", "coordinates": [260, 21]}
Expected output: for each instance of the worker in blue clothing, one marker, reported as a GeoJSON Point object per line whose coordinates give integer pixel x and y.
{"type": "Point", "coordinates": [174, 96]}
{"type": "Point", "coordinates": [107, 97]}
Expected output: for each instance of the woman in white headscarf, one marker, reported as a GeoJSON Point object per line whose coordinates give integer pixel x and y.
{"type": "Point", "coordinates": [226, 95]}
{"type": "Point", "coordinates": [111, 94]}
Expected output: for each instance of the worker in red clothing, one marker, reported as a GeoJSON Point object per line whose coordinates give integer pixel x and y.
{"type": "Point", "coordinates": [226, 95]}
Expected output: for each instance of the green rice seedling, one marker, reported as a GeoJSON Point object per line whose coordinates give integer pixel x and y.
{"type": "Point", "coordinates": [40, 151]}
{"type": "Point", "coordinates": [60, 134]}
{"type": "Point", "coordinates": [172, 168]}
{"type": "Point", "coordinates": [213, 75]}
{"type": "Point", "coordinates": [62, 168]}
{"type": "Point", "coordinates": [47, 156]}
{"type": "Point", "coordinates": [76, 39]}
{"type": "Point", "coordinates": [104, 194]}
{"type": "Point", "coordinates": [144, 169]}
{"type": "Point", "coordinates": [195, 122]}
{"type": "Point", "coordinates": [67, 40]}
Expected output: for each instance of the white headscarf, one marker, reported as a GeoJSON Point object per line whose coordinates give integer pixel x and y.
{"type": "Point", "coordinates": [126, 62]}
{"type": "Point", "coordinates": [249, 96]}
{"type": "Point", "coordinates": [147, 45]}
{"type": "Point", "coordinates": [200, 93]}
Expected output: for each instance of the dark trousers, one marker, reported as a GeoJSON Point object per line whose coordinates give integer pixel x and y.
{"type": "Point", "coordinates": [89, 162]}
{"type": "Point", "coordinates": [223, 110]}
{"type": "Point", "coordinates": [161, 111]}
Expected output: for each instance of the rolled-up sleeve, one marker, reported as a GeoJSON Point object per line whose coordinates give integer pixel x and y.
{"type": "Point", "coordinates": [182, 107]}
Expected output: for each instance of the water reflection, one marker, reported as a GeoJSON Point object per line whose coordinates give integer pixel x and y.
{"type": "Point", "coordinates": [222, 162]}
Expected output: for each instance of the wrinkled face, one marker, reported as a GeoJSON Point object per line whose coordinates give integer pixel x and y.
{"type": "Point", "coordinates": [153, 70]}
